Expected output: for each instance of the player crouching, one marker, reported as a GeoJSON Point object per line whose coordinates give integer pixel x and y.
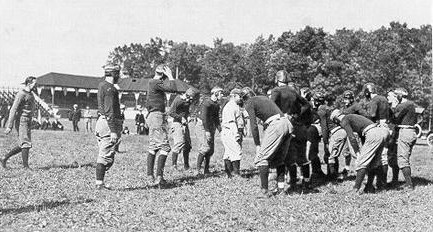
{"type": "Point", "coordinates": [270, 152]}
{"type": "Point", "coordinates": [369, 154]}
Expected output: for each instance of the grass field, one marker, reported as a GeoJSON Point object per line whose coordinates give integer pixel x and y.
{"type": "Point", "coordinates": [57, 195]}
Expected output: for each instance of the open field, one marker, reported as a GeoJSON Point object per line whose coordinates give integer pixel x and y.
{"type": "Point", "coordinates": [58, 195]}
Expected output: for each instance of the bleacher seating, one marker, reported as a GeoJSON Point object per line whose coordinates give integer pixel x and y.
{"type": "Point", "coordinates": [68, 100]}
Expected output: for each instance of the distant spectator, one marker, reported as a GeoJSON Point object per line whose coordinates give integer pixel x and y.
{"type": "Point", "coordinates": [140, 122]}
{"type": "Point", "coordinates": [46, 124]}
{"type": "Point", "coordinates": [75, 116]}
{"type": "Point", "coordinates": [56, 125]}
{"type": "Point", "coordinates": [35, 125]}
{"type": "Point", "coordinates": [4, 113]}
{"type": "Point", "coordinates": [87, 115]}
{"type": "Point", "coordinates": [125, 131]}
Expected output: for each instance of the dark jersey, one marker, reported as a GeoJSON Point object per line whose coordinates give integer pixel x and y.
{"type": "Point", "coordinates": [291, 103]}
{"type": "Point", "coordinates": [209, 114]}
{"type": "Point", "coordinates": [326, 123]}
{"type": "Point", "coordinates": [108, 103]}
{"type": "Point", "coordinates": [179, 109]}
{"type": "Point", "coordinates": [355, 108]}
{"type": "Point", "coordinates": [156, 99]}
{"type": "Point", "coordinates": [75, 115]}
{"type": "Point", "coordinates": [260, 107]}
{"type": "Point", "coordinates": [354, 123]}
{"type": "Point", "coordinates": [405, 114]}
{"type": "Point", "coordinates": [378, 108]}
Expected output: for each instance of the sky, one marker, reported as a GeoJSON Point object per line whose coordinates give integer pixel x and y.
{"type": "Point", "coordinates": [76, 36]}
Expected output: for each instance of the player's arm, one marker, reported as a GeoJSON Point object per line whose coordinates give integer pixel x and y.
{"type": "Point", "coordinates": [352, 139]}
{"type": "Point", "coordinates": [372, 109]}
{"type": "Point", "coordinates": [205, 116]}
{"type": "Point", "coordinates": [324, 125]}
{"type": "Point", "coordinates": [305, 105]}
{"type": "Point", "coordinates": [400, 114]}
{"type": "Point", "coordinates": [361, 111]}
{"type": "Point", "coordinates": [275, 97]}
{"type": "Point", "coordinates": [167, 86]}
{"type": "Point", "coordinates": [13, 111]}
{"type": "Point", "coordinates": [253, 123]}
{"type": "Point", "coordinates": [109, 111]}
{"type": "Point", "coordinates": [217, 119]}
{"type": "Point", "coordinates": [101, 96]}
{"type": "Point", "coordinates": [172, 112]}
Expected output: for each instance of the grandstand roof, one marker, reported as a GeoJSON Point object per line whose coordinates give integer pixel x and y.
{"type": "Point", "coordinates": [68, 80]}
{"type": "Point", "coordinates": [89, 82]}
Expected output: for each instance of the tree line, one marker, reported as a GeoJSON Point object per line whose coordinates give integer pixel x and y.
{"type": "Point", "coordinates": [391, 56]}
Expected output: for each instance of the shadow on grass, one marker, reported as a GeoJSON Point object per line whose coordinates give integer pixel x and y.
{"type": "Point", "coordinates": [190, 180]}
{"type": "Point", "coordinates": [420, 181]}
{"type": "Point", "coordinates": [68, 166]}
{"type": "Point", "coordinates": [46, 205]}
{"type": "Point", "coordinates": [168, 185]}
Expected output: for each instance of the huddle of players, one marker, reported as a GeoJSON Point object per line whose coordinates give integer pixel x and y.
{"type": "Point", "coordinates": [293, 123]}
{"type": "Point", "coordinates": [380, 135]}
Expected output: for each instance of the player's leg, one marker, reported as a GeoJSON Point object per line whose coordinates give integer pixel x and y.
{"type": "Point", "coordinates": [186, 148]}
{"type": "Point", "coordinates": [163, 146]}
{"type": "Point", "coordinates": [225, 139]}
{"type": "Point", "coordinates": [178, 142]}
{"type": "Point", "coordinates": [406, 141]}
{"type": "Point", "coordinates": [207, 158]}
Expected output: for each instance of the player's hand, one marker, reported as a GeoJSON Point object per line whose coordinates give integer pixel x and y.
{"type": "Point", "coordinates": [113, 137]}
{"type": "Point", "coordinates": [8, 130]}
{"type": "Point", "coordinates": [167, 72]}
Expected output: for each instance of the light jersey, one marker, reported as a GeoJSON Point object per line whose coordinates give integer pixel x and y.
{"type": "Point", "coordinates": [232, 116]}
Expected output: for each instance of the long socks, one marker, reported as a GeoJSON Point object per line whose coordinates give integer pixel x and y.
{"type": "Point", "coordinates": [25, 157]}
{"type": "Point", "coordinates": [407, 176]}
{"type": "Point", "coordinates": [206, 164]}
{"type": "Point", "coordinates": [11, 153]}
{"type": "Point", "coordinates": [292, 174]}
{"type": "Point", "coordinates": [174, 156]}
{"type": "Point", "coordinates": [264, 173]}
{"type": "Point", "coordinates": [150, 163]}
{"type": "Point", "coordinates": [228, 168]}
{"type": "Point", "coordinates": [200, 159]}
{"type": "Point", "coordinates": [305, 170]}
{"type": "Point", "coordinates": [186, 159]}
{"type": "Point", "coordinates": [360, 174]}
{"type": "Point", "coordinates": [100, 173]}
{"type": "Point", "coordinates": [236, 167]}
{"type": "Point", "coordinates": [161, 164]}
